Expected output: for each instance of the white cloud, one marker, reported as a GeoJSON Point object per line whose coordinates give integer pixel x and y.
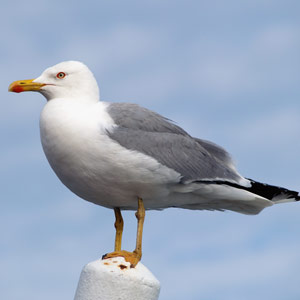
{"type": "Point", "coordinates": [276, 40]}
{"type": "Point", "coordinates": [257, 63]}
{"type": "Point", "coordinates": [221, 279]}
{"type": "Point", "coordinates": [273, 128]}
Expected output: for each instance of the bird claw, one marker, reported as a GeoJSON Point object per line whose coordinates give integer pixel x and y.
{"type": "Point", "coordinates": [132, 257]}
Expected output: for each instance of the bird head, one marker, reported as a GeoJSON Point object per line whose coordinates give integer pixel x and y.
{"type": "Point", "coordinates": [69, 79]}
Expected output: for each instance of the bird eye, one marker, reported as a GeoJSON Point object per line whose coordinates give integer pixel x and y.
{"type": "Point", "coordinates": [60, 75]}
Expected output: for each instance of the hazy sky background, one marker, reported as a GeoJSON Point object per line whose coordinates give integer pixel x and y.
{"type": "Point", "coordinates": [227, 71]}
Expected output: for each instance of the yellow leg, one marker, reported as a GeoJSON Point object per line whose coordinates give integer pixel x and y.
{"type": "Point", "coordinates": [140, 215]}
{"type": "Point", "coordinates": [135, 256]}
{"type": "Point", "coordinates": [119, 229]}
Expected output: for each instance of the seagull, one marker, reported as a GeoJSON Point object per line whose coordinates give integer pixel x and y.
{"type": "Point", "coordinates": [125, 157]}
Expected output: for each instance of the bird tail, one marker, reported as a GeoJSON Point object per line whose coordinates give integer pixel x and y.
{"type": "Point", "coordinates": [247, 199]}
{"type": "Point", "coordinates": [276, 194]}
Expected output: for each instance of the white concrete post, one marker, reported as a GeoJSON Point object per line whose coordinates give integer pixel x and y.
{"type": "Point", "coordinates": [113, 279]}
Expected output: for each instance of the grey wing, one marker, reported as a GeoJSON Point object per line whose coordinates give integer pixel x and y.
{"type": "Point", "coordinates": [145, 131]}
{"type": "Point", "coordinates": [180, 153]}
{"type": "Point", "coordinates": [218, 152]}
{"type": "Point", "coordinates": [129, 115]}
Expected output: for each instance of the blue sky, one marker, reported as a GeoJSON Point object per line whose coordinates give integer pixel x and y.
{"type": "Point", "coordinates": [227, 71]}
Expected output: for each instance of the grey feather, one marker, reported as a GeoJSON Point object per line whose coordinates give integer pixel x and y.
{"type": "Point", "coordinates": [129, 115]}
{"type": "Point", "coordinates": [218, 152]}
{"type": "Point", "coordinates": [145, 131]}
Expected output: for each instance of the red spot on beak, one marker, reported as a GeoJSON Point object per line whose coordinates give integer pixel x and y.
{"type": "Point", "coordinates": [17, 89]}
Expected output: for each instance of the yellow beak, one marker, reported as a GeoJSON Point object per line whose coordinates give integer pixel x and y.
{"type": "Point", "coordinates": [24, 86]}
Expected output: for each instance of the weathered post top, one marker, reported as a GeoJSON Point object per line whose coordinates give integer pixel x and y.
{"type": "Point", "coordinates": [113, 279]}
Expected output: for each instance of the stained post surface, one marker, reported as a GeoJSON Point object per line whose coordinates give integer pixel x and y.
{"type": "Point", "coordinates": [113, 279]}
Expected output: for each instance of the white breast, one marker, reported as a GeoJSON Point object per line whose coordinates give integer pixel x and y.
{"type": "Point", "coordinates": [88, 162]}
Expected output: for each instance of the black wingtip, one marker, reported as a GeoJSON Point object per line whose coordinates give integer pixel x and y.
{"type": "Point", "coordinates": [271, 191]}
